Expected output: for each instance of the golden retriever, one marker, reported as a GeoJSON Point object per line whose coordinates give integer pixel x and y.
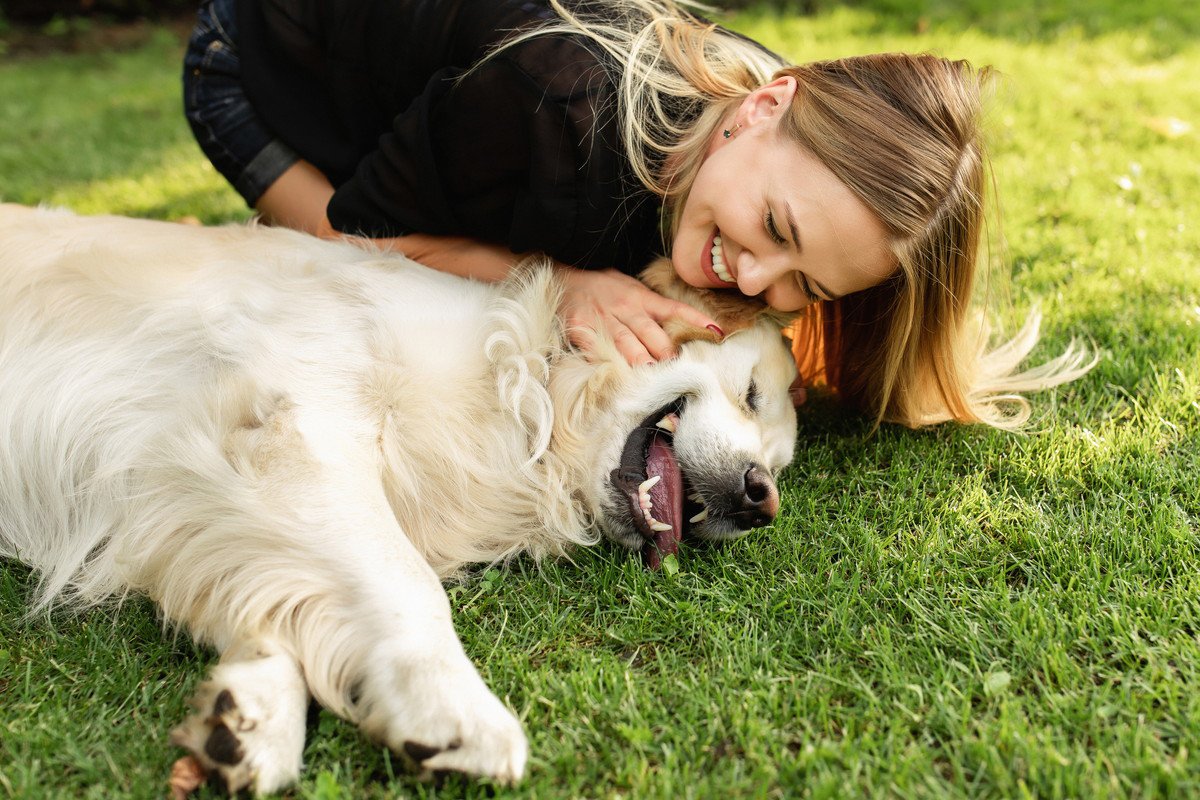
{"type": "Point", "coordinates": [286, 443]}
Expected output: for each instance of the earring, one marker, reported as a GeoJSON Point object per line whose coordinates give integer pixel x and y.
{"type": "Point", "coordinates": [729, 132]}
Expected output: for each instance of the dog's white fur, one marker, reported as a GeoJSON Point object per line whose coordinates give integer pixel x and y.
{"type": "Point", "coordinates": [286, 443]}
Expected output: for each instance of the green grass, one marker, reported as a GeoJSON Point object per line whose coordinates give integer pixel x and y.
{"type": "Point", "coordinates": [952, 612]}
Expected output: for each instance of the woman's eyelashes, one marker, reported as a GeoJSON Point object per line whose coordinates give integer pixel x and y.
{"type": "Point", "coordinates": [802, 282]}
{"type": "Point", "coordinates": [772, 230]}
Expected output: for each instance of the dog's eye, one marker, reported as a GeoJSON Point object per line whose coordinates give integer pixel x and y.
{"type": "Point", "coordinates": [752, 396]}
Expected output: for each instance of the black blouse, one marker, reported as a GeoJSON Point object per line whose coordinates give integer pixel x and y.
{"type": "Point", "coordinates": [524, 150]}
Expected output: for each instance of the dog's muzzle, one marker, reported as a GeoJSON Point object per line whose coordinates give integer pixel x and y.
{"type": "Point", "coordinates": [665, 503]}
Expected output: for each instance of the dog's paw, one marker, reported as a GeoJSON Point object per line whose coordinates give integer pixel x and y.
{"type": "Point", "coordinates": [444, 719]}
{"type": "Point", "coordinates": [248, 729]}
{"type": "Point", "coordinates": [490, 746]}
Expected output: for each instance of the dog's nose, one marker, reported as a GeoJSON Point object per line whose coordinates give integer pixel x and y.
{"type": "Point", "coordinates": [760, 499]}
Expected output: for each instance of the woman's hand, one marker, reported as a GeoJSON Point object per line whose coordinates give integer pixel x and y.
{"type": "Point", "coordinates": [631, 313]}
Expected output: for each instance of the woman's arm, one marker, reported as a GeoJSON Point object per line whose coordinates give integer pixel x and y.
{"type": "Point", "coordinates": [299, 197]}
{"type": "Point", "coordinates": [593, 300]}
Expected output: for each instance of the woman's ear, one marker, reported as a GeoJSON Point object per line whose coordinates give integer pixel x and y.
{"type": "Point", "coordinates": [768, 101]}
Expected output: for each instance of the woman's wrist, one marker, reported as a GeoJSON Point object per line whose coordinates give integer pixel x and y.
{"type": "Point", "coordinates": [457, 255]}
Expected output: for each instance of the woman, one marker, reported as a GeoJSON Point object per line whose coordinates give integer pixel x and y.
{"type": "Point", "coordinates": [464, 132]}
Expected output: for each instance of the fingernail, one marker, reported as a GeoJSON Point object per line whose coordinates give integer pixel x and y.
{"type": "Point", "coordinates": [651, 363]}
{"type": "Point", "coordinates": [717, 331]}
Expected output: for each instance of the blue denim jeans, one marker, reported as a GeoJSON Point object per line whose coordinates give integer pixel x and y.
{"type": "Point", "coordinates": [225, 124]}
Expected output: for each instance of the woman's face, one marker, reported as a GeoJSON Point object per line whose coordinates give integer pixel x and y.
{"type": "Point", "coordinates": [766, 217]}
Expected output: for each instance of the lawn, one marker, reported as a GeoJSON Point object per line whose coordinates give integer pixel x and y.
{"type": "Point", "coordinates": [945, 613]}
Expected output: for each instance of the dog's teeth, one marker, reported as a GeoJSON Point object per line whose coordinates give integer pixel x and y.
{"type": "Point", "coordinates": [667, 424]}
{"type": "Point", "coordinates": [659, 526]}
{"type": "Point", "coordinates": [696, 498]}
{"type": "Point", "coordinates": [703, 515]}
{"type": "Point", "coordinates": [649, 484]}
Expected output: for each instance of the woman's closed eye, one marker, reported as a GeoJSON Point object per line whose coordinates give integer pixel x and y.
{"type": "Point", "coordinates": [802, 282]}
{"type": "Point", "coordinates": [778, 238]}
{"type": "Point", "coordinates": [773, 229]}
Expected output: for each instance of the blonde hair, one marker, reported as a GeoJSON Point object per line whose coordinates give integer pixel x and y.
{"type": "Point", "coordinates": [903, 133]}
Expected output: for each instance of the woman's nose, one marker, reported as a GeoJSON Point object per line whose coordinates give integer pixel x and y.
{"type": "Point", "coordinates": [756, 275]}
{"type": "Point", "coordinates": [771, 279]}
{"type": "Point", "coordinates": [751, 277]}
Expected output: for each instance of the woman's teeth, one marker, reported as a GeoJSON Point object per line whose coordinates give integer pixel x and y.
{"type": "Point", "coordinates": [718, 261]}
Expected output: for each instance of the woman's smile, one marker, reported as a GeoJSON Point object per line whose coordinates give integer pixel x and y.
{"type": "Point", "coordinates": [714, 264]}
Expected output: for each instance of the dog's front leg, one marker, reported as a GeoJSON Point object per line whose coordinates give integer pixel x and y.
{"type": "Point", "coordinates": [248, 728]}
{"type": "Point", "coordinates": [373, 641]}
{"type": "Point", "coordinates": [317, 563]}
{"type": "Point", "coordinates": [403, 674]}
{"type": "Point", "coordinates": [415, 689]}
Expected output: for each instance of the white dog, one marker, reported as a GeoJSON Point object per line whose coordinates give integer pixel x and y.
{"type": "Point", "coordinates": [286, 442]}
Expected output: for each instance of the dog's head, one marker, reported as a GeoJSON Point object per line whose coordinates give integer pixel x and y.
{"type": "Point", "coordinates": [693, 444]}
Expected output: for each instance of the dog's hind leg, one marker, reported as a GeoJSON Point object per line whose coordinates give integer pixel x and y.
{"type": "Point", "coordinates": [248, 728]}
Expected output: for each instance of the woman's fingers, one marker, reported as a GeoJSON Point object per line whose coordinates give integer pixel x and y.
{"type": "Point", "coordinates": [582, 336]}
{"type": "Point", "coordinates": [583, 333]}
{"type": "Point", "coordinates": [651, 336]}
{"type": "Point", "coordinates": [626, 310]}
{"type": "Point", "coordinates": [630, 346]}
{"type": "Point", "coordinates": [667, 308]}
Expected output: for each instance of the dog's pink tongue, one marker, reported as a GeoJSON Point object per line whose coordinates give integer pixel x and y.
{"type": "Point", "coordinates": [666, 502]}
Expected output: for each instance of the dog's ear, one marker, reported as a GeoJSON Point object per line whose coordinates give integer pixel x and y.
{"type": "Point", "coordinates": [732, 310]}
